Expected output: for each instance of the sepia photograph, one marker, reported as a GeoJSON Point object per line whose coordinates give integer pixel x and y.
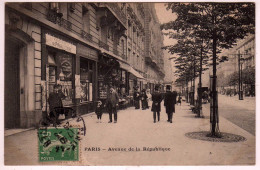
{"type": "Point", "coordinates": [129, 83]}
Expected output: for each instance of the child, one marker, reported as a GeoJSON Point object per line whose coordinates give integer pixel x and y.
{"type": "Point", "coordinates": [99, 111]}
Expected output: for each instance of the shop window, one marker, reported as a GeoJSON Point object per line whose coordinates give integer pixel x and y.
{"type": "Point", "coordinates": [60, 72]}
{"type": "Point", "coordinates": [86, 80]}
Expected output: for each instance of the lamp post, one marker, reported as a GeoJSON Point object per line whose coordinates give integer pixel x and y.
{"type": "Point", "coordinates": [240, 81]}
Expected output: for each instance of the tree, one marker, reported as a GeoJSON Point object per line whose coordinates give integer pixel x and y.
{"type": "Point", "coordinates": [222, 24]}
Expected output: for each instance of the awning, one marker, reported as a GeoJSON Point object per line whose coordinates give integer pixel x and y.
{"type": "Point", "coordinates": [130, 70]}
{"type": "Point", "coordinates": [124, 66]}
{"type": "Point", "coordinates": [135, 73]}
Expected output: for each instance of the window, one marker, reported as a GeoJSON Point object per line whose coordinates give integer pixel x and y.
{"type": "Point", "coordinates": [86, 19]}
{"type": "Point", "coordinates": [55, 6]}
{"type": "Point", "coordinates": [129, 29]}
{"type": "Point", "coordinates": [86, 80]}
{"type": "Point", "coordinates": [123, 49]}
{"type": "Point", "coordinates": [60, 72]}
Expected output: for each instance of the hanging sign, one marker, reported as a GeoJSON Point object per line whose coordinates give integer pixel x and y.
{"type": "Point", "coordinates": [60, 44]}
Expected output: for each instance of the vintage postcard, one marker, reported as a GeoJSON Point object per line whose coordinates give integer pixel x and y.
{"type": "Point", "coordinates": [129, 83]}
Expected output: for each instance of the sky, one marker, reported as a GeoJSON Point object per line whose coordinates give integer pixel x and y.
{"type": "Point", "coordinates": [165, 16]}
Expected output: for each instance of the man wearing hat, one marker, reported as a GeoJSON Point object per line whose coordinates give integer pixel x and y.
{"type": "Point", "coordinates": [136, 98]}
{"type": "Point", "coordinates": [169, 102]}
{"type": "Point", "coordinates": [112, 103]}
{"type": "Point", "coordinates": [55, 102]}
{"type": "Point", "coordinates": [156, 106]}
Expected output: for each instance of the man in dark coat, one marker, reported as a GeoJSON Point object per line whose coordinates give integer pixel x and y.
{"type": "Point", "coordinates": [55, 103]}
{"type": "Point", "coordinates": [156, 106]}
{"type": "Point", "coordinates": [144, 100]}
{"type": "Point", "coordinates": [136, 98]}
{"type": "Point", "coordinates": [112, 103]}
{"type": "Point", "coordinates": [169, 102]}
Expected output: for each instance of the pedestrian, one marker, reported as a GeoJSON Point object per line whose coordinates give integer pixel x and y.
{"type": "Point", "coordinates": [156, 106]}
{"type": "Point", "coordinates": [149, 97]}
{"type": "Point", "coordinates": [55, 103]}
{"type": "Point", "coordinates": [136, 98]}
{"type": "Point", "coordinates": [179, 99]}
{"type": "Point", "coordinates": [169, 102]}
{"type": "Point", "coordinates": [99, 111]}
{"type": "Point", "coordinates": [144, 99]}
{"type": "Point", "coordinates": [112, 103]}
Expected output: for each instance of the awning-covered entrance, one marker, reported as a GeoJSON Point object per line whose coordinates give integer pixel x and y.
{"type": "Point", "coordinates": [130, 70]}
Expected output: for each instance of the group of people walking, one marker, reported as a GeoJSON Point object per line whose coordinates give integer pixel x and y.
{"type": "Point", "coordinates": [170, 99]}
{"type": "Point", "coordinates": [111, 104]}
{"type": "Point", "coordinates": [144, 96]}
{"type": "Point", "coordinates": [169, 103]}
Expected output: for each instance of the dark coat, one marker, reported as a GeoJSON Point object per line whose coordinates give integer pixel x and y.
{"type": "Point", "coordinates": [136, 95]}
{"type": "Point", "coordinates": [112, 99]}
{"type": "Point", "coordinates": [99, 111]}
{"type": "Point", "coordinates": [170, 101]}
{"type": "Point", "coordinates": [55, 101]}
{"type": "Point", "coordinates": [143, 96]}
{"type": "Point", "coordinates": [157, 99]}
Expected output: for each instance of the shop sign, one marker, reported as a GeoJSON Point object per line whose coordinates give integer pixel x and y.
{"type": "Point", "coordinates": [60, 44]}
{"type": "Point", "coordinates": [87, 52]}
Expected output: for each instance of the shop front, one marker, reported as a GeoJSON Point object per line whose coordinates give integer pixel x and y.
{"type": "Point", "coordinates": [109, 75]}
{"type": "Point", "coordinates": [86, 79]}
{"type": "Point", "coordinates": [72, 66]}
{"type": "Point", "coordinates": [58, 67]}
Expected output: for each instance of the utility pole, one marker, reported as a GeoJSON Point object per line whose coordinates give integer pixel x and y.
{"type": "Point", "coordinates": [240, 84]}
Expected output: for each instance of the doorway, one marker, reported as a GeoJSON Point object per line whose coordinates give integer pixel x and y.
{"type": "Point", "coordinates": [13, 49]}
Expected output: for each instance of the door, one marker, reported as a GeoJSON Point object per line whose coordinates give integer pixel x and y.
{"type": "Point", "coordinates": [12, 84]}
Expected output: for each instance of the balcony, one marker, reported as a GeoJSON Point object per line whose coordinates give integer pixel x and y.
{"type": "Point", "coordinates": [56, 18]}
{"type": "Point", "coordinates": [103, 45]}
{"type": "Point", "coordinates": [116, 11]}
{"type": "Point", "coordinates": [86, 36]}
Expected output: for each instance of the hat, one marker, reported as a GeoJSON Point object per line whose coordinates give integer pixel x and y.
{"type": "Point", "coordinates": [168, 87]}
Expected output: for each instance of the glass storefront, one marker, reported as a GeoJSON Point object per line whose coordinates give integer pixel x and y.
{"type": "Point", "coordinates": [86, 80]}
{"type": "Point", "coordinates": [60, 72]}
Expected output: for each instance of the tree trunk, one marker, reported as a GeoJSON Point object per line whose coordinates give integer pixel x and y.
{"type": "Point", "coordinates": [214, 103]}
{"type": "Point", "coordinates": [200, 83]}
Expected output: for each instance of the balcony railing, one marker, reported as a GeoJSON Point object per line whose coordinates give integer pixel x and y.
{"type": "Point", "coordinates": [103, 45]}
{"type": "Point", "coordinates": [86, 35]}
{"type": "Point", "coordinates": [56, 18]}
{"type": "Point", "coordinates": [117, 11]}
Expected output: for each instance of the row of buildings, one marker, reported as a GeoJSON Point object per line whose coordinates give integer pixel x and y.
{"type": "Point", "coordinates": [84, 47]}
{"type": "Point", "coordinates": [240, 55]}
{"type": "Point", "coordinates": [240, 58]}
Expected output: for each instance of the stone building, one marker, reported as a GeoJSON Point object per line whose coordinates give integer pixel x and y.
{"type": "Point", "coordinates": [154, 58]}
{"type": "Point", "coordinates": [84, 47]}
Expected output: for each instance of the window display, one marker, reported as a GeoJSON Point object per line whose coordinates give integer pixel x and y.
{"type": "Point", "coordinates": [60, 72]}
{"type": "Point", "coordinates": [86, 74]}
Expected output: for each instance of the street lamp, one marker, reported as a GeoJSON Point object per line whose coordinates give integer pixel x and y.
{"type": "Point", "coordinates": [240, 81]}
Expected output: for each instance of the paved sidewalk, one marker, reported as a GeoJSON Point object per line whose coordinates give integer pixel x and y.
{"type": "Point", "coordinates": [135, 128]}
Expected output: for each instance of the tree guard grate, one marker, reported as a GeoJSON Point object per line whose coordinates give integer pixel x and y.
{"type": "Point", "coordinates": [224, 137]}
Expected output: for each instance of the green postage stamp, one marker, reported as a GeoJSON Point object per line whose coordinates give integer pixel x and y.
{"type": "Point", "coordinates": [58, 144]}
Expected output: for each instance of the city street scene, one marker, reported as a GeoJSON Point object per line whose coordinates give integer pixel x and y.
{"type": "Point", "coordinates": [129, 84]}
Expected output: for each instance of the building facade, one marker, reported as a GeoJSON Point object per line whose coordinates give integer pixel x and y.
{"type": "Point", "coordinates": [154, 58]}
{"type": "Point", "coordinates": [84, 47]}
